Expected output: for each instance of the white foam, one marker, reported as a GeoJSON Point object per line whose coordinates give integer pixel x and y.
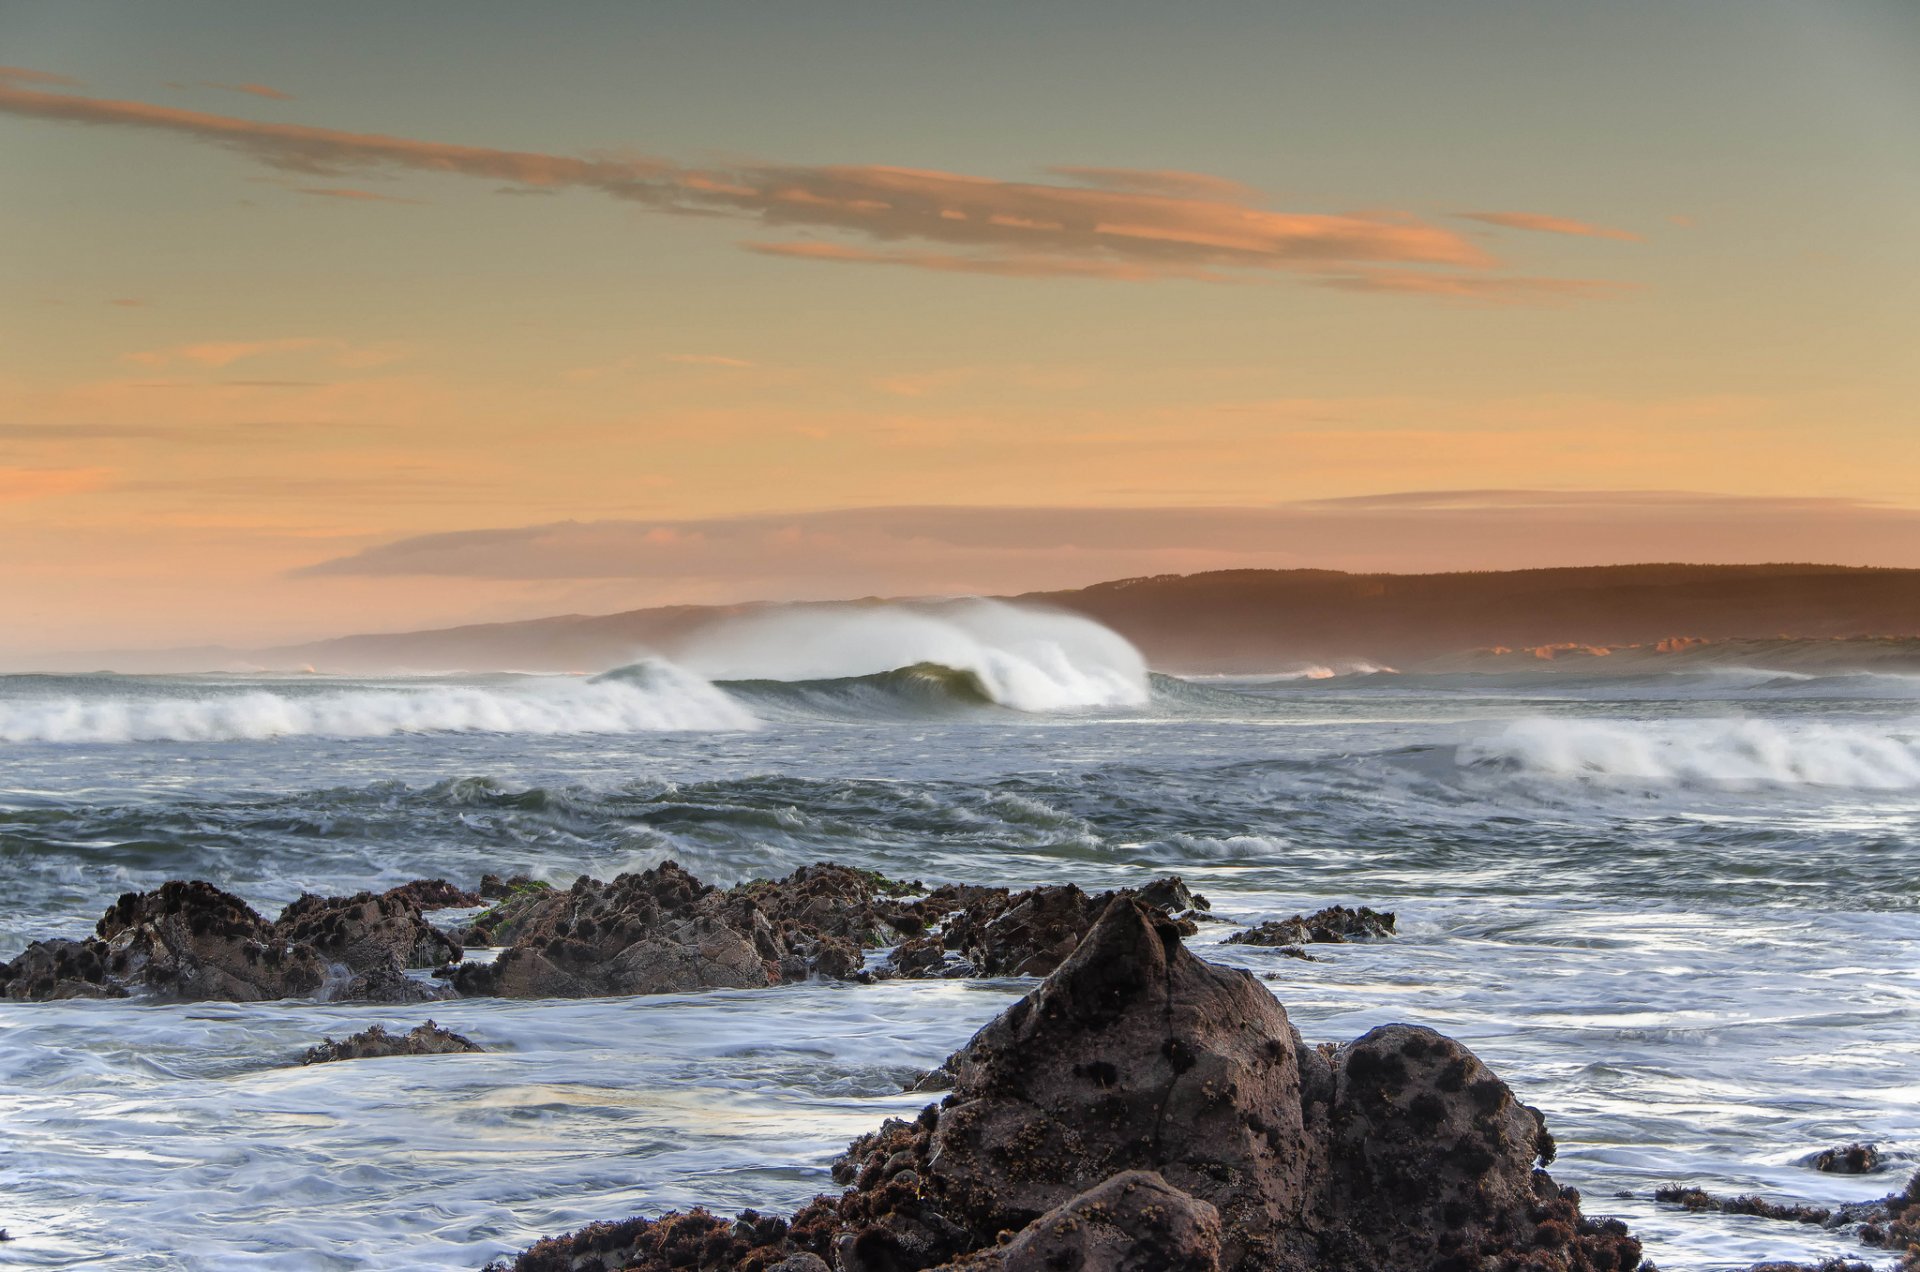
{"type": "Point", "coordinates": [1721, 751]}
{"type": "Point", "coordinates": [1028, 659]}
{"type": "Point", "coordinates": [665, 699]}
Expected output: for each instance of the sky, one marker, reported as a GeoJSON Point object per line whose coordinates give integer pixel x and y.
{"type": "Point", "coordinates": [359, 317]}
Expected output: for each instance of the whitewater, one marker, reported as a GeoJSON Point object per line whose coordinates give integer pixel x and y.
{"type": "Point", "coordinates": [1677, 912]}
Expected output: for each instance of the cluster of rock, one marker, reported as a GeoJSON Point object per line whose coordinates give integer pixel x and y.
{"type": "Point", "coordinates": [376, 1043]}
{"type": "Point", "coordinates": [1335, 925]}
{"type": "Point", "coordinates": [1890, 1223]}
{"type": "Point", "coordinates": [192, 941]}
{"type": "Point", "coordinates": [1142, 1109]}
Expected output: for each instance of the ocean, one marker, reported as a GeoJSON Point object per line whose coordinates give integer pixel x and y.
{"type": "Point", "coordinates": [1675, 911]}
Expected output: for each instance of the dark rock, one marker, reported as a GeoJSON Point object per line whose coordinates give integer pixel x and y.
{"type": "Point", "coordinates": [50, 970]}
{"type": "Point", "coordinates": [367, 931]}
{"type": "Point", "coordinates": [1697, 1200]}
{"type": "Point", "coordinates": [387, 983]}
{"type": "Point", "coordinates": [435, 894]}
{"type": "Point", "coordinates": [674, 1242]}
{"type": "Point", "coordinates": [1132, 1222]}
{"type": "Point", "coordinates": [499, 924]}
{"type": "Point", "coordinates": [193, 941]}
{"type": "Point", "coordinates": [1030, 935]}
{"type": "Point", "coordinates": [1142, 1109]}
{"type": "Point", "coordinates": [494, 888]}
{"type": "Point", "coordinates": [423, 1040]}
{"type": "Point", "coordinates": [1849, 1159]}
{"type": "Point", "coordinates": [1335, 925]}
{"type": "Point", "coordinates": [1831, 1265]}
{"type": "Point", "coordinates": [1170, 894]}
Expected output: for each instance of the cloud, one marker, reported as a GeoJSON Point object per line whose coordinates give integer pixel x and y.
{"type": "Point", "coordinates": [1106, 223]}
{"type": "Point", "coordinates": [916, 550]}
{"type": "Point", "coordinates": [1540, 224]}
{"type": "Point", "coordinates": [357, 196]}
{"type": "Point", "coordinates": [18, 484]}
{"type": "Point", "coordinates": [223, 353]}
{"type": "Point", "coordinates": [1167, 181]}
{"type": "Point", "coordinates": [706, 360]}
{"type": "Point", "coordinates": [1490, 289]}
{"type": "Point", "coordinates": [23, 75]}
{"type": "Point", "coordinates": [252, 90]}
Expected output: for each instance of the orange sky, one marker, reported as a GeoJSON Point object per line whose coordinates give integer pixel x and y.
{"type": "Point", "coordinates": [349, 279]}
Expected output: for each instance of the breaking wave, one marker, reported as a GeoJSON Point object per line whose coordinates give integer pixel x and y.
{"type": "Point", "coordinates": [1738, 752]}
{"type": "Point", "coordinates": [1016, 656]}
{"type": "Point", "coordinates": [654, 697]}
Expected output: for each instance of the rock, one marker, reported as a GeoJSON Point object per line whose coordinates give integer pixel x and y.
{"type": "Point", "coordinates": [494, 888]}
{"type": "Point", "coordinates": [1170, 894]}
{"type": "Point", "coordinates": [435, 894]}
{"type": "Point", "coordinates": [1697, 1200]}
{"type": "Point", "coordinates": [1849, 1159]}
{"type": "Point", "coordinates": [367, 931]}
{"type": "Point", "coordinates": [193, 941]}
{"type": "Point", "coordinates": [47, 971]}
{"type": "Point", "coordinates": [387, 983]}
{"type": "Point", "coordinates": [1335, 925]}
{"type": "Point", "coordinates": [1141, 1109]}
{"type": "Point", "coordinates": [1132, 1222]}
{"type": "Point", "coordinates": [1831, 1265]}
{"type": "Point", "coordinates": [423, 1040]}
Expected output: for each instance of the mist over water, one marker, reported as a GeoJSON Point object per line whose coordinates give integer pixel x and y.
{"type": "Point", "coordinates": [1678, 913]}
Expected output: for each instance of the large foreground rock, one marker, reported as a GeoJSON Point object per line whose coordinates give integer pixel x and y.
{"type": "Point", "coordinates": [1144, 1109]}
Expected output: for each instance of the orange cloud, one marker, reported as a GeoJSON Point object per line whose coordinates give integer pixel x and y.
{"type": "Point", "coordinates": [222, 353]}
{"type": "Point", "coordinates": [1490, 289]}
{"type": "Point", "coordinates": [1115, 223]}
{"type": "Point", "coordinates": [1549, 225]}
{"type": "Point", "coordinates": [255, 90]}
{"type": "Point", "coordinates": [357, 196]}
{"type": "Point", "coordinates": [46, 483]}
{"type": "Point", "coordinates": [24, 75]}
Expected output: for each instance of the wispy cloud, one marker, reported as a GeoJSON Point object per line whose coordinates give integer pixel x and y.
{"type": "Point", "coordinates": [985, 548]}
{"type": "Point", "coordinates": [1488, 289]}
{"type": "Point", "coordinates": [1105, 223]}
{"type": "Point", "coordinates": [26, 75]}
{"type": "Point", "coordinates": [251, 90]}
{"type": "Point", "coordinates": [352, 195]}
{"type": "Point", "coordinates": [223, 353]}
{"type": "Point", "coordinates": [18, 484]}
{"type": "Point", "coordinates": [1541, 224]}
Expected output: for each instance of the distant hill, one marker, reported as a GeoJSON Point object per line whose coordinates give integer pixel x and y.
{"type": "Point", "coordinates": [1239, 620]}
{"type": "Point", "coordinates": [1262, 620]}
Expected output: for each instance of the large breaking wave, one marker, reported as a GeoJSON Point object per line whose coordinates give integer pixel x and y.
{"type": "Point", "coordinates": [879, 662]}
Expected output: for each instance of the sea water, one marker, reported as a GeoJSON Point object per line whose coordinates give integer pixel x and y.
{"type": "Point", "coordinates": [1681, 914]}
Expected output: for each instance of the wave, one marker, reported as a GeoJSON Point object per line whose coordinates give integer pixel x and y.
{"type": "Point", "coordinates": [922, 689]}
{"type": "Point", "coordinates": [652, 697]}
{"type": "Point", "coordinates": [1726, 752]}
{"type": "Point", "coordinates": [1018, 656]}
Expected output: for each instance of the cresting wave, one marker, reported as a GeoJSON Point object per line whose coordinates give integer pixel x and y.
{"type": "Point", "coordinates": [664, 699]}
{"type": "Point", "coordinates": [1722, 752]}
{"type": "Point", "coordinates": [872, 663]}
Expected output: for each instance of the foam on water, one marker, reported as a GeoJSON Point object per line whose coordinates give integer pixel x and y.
{"type": "Point", "coordinates": [1690, 937]}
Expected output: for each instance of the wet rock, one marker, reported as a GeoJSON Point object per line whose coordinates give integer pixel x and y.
{"type": "Point", "coordinates": [696, 1239]}
{"type": "Point", "coordinates": [1848, 1159]}
{"type": "Point", "coordinates": [435, 894]}
{"type": "Point", "coordinates": [1697, 1200]}
{"type": "Point", "coordinates": [1335, 925]}
{"type": "Point", "coordinates": [494, 888]}
{"type": "Point", "coordinates": [47, 971]}
{"type": "Point", "coordinates": [422, 1040]}
{"type": "Point", "coordinates": [1171, 894]}
{"type": "Point", "coordinates": [1143, 1109]}
{"type": "Point", "coordinates": [1831, 1265]}
{"type": "Point", "coordinates": [193, 941]}
{"type": "Point", "coordinates": [926, 958]}
{"type": "Point", "coordinates": [1132, 1222]}
{"type": "Point", "coordinates": [367, 931]}
{"type": "Point", "coordinates": [387, 983]}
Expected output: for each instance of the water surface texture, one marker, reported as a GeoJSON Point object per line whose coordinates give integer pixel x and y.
{"type": "Point", "coordinates": [1678, 913]}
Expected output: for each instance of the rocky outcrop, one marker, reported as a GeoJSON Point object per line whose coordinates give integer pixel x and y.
{"type": "Point", "coordinates": [1848, 1159]}
{"type": "Point", "coordinates": [367, 931]}
{"type": "Point", "coordinates": [1335, 925]}
{"type": "Point", "coordinates": [47, 971]}
{"type": "Point", "coordinates": [193, 941]}
{"type": "Point", "coordinates": [436, 894]}
{"type": "Point", "coordinates": [1891, 1223]}
{"type": "Point", "coordinates": [1143, 1109]}
{"type": "Point", "coordinates": [372, 1044]}
{"type": "Point", "coordinates": [994, 932]}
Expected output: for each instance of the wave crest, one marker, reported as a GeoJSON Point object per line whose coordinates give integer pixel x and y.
{"type": "Point", "coordinates": [1706, 752]}
{"type": "Point", "coordinates": [655, 697]}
